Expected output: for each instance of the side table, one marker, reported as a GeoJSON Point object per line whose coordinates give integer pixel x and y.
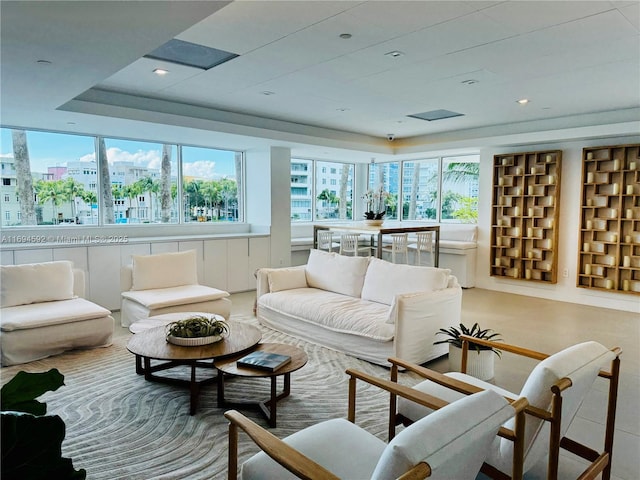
{"type": "Point", "coordinates": [228, 367]}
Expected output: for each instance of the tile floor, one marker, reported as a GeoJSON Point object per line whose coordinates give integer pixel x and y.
{"type": "Point", "coordinates": [550, 326]}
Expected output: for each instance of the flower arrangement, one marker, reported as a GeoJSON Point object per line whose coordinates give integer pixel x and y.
{"type": "Point", "coordinates": [376, 201]}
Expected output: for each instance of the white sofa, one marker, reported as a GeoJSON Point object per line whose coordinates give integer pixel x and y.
{"type": "Point", "coordinates": [167, 283]}
{"type": "Point", "coordinates": [43, 312]}
{"type": "Point", "coordinates": [365, 307]}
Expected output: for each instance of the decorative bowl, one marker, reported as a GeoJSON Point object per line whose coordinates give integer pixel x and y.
{"type": "Point", "coordinates": [193, 341]}
{"type": "Point", "coordinates": [374, 223]}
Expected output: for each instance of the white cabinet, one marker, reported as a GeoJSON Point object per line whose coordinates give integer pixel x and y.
{"type": "Point", "coordinates": [104, 275]}
{"type": "Point", "coordinates": [244, 256]}
{"type": "Point", "coordinates": [215, 264]}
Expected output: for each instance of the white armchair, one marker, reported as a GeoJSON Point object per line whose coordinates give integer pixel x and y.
{"type": "Point", "coordinates": [451, 443]}
{"type": "Point", "coordinates": [167, 283]}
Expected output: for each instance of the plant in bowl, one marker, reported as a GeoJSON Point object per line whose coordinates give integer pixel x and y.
{"type": "Point", "coordinates": [196, 330]}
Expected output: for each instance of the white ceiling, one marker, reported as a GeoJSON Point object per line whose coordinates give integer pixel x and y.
{"type": "Point", "coordinates": [578, 63]}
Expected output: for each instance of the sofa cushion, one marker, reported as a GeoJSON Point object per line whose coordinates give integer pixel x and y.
{"type": "Point", "coordinates": [333, 311]}
{"type": "Point", "coordinates": [336, 273]}
{"type": "Point", "coordinates": [36, 315]}
{"type": "Point", "coordinates": [287, 279]}
{"type": "Point", "coordinates": [164, 270]}
{"type": "Point", "coordinates": [181, 295]}
{"type": "Point", "coordinates": [459, 233]}
{"type": "Point", "coordinates": [36, 282]}
{"type": "Point", "coordinates": [385, 280]}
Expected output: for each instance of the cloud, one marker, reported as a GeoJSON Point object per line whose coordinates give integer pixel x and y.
{"type": "Point", "coordinates": [200, 169]}
{"type": "Point", "coordinates": [149, 158]}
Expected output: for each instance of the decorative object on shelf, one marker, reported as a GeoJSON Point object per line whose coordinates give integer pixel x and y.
{"type": "Point", "coordinates": [196, 330]}
{"type": "Point", "coordinates": [481, 365]}
{"type": "Point", "coordinates": [526, 189]}
{"type": "Point", "coordinates": [375, 204]}
{"type": "Point", "coordinates": [609, 180]}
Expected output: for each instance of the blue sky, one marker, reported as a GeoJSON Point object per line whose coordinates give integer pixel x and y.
{"type": "Point", "coordinates": [53, 149]}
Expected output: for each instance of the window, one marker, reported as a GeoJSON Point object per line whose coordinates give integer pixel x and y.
{"type": "Point", "coordinates": [334, 203]}
{"type": "Point", "coordinates": [142, 179]}
{"type": "Point", "coordinates": [420, 190]}
{"type": "Point", "coordinates": [455, 201]}
{"type": "Point", "coordinates": [137, 181]}
{"type": "Point", "coordinates": [460, 188]}
{"type": "Point", "coordinates": [52, 194]}
{"type": "Point", "coordinates": [210, 185]}
{"type": "Point", "coordinates": [314, 201]}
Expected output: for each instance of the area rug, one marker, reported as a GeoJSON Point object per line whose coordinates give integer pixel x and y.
{"type": "Point", "coordinates": [121, 427]}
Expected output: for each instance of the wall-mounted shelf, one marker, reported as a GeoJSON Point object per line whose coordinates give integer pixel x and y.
{"type": "Point", "coordinates": [609, 248]}
{"type": "Point", "coordinates": [524, 218]}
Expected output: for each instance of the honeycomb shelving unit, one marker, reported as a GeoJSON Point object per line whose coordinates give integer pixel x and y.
{"type": "Point", "coordinates": [525, 211]}
{"type": "Point", "coordinates": [609, 248]}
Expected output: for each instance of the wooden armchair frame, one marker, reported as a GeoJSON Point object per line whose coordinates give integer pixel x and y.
{"type": "Point", "coordinates": [600, 461]}
{"type": "Point", "coordinates": [305, 468]}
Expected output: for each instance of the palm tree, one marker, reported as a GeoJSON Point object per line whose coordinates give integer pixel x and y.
{"type": "Point", "coordinates": [165, 185]}
{"type": "Point", "coordinates": [51, 191]}
{"type": "Point", "coordinates": [415, 182]}
{"type": "Point", "coordinates": [105, 183]}
{"type": "Point", "coordinates": [460, 172]}
{"type": "Point", "coordinates": [344, 177]}
{"type": "Point", "coordinates": [24, 180]}
{"type": "Point", "coordinates": [70, 191]}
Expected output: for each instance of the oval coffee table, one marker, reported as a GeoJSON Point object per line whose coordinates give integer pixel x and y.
{"type": "Point", "coordinates": [228, 366]}
{"type": "Point", "coordinates": [152, 345]}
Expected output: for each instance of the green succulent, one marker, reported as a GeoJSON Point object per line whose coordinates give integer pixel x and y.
{"type": "Point", "coordinates": [475, 331]}
{"type": "Point", "coordinates": [196, 326]}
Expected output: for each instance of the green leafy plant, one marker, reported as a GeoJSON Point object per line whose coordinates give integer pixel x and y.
{"type": "Point", "coordinates": [475, 331]}
{"type": "Point", "coordinates": [31, 440]}
{"type": "Point", "coordinates": [196, 326]}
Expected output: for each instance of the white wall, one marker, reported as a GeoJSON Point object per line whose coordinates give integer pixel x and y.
{"type": "Point", "coordinates": [565, 290]}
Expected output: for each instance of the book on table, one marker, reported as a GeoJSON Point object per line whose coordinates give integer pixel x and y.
{"type": "Point", "coordinates": [264, 361]}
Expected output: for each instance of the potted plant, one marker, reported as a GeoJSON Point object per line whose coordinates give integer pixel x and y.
{"type": "Point", "coordinates": [196, 330]}
{"type": "Point", "coordinates": [480, 365]}
{"type": "Point", "coordinates": [31, 439]}
{"type": "Point", "coordinates": [375, 207]}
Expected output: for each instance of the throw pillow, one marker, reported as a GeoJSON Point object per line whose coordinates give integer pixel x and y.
{"type": "Point", "coordinates": [164, 270]}
{"type": "Point", "coordinates": [336, 273]}
{"type": "Point", "coordinates": [385, 280]}
{"type": "Point", "coordinates": [287, 279]}
{"type": "Point", "coordinates": [36, 282]}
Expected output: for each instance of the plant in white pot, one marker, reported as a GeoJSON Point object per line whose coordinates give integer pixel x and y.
{"type": "Point", "coordinates": [480, 361]}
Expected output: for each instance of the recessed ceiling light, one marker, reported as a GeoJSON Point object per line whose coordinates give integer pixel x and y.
{"type": "Point", "coordinates": [160, 71]}
{"type": "Point", "coordinates": [345, 36]}
{"type": "Point", "coordinates": [343, 109]}
{"type": "Point", "coordinates": [470, 81]}
{"type": "Point", "coordinates": [267, 92]}
{"type": "Point", "coordinates": [43, 62]}
{"type": "Point", "coordinates": [523, 101]}
{"type": "Point", "coordinates": [71, 123]}
{"type": "Point", "coordinates": [395, 54]}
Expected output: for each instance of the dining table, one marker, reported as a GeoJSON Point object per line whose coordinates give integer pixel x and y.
{"type": "Point", "coordinates": [378, 231]}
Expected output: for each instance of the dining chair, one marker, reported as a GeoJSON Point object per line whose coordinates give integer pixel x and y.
{"type": "Point", "coordinates": [325, 241]}
{"type": "Point", "coordinates": [398, 247]}
{"type": "Point", "coordinates": [451, 443]}
{"type": "Point", "coordinates": [423, 244]}
{"type": "Point", "coordinates": [350, 245]}
{"type": "Point", "coordinates": [555, 389]}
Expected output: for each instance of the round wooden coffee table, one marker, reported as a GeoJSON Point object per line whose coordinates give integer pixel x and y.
{"type": "Point", "coordinates": [152, 345]}
{"type": "Point", "coordinates": [228, 366]}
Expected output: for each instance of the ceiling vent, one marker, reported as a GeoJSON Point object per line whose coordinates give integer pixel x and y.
{"type": "Point", "coordinates": [190, 54]}
{"type": "Point", "coordinates": [436, 115]}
